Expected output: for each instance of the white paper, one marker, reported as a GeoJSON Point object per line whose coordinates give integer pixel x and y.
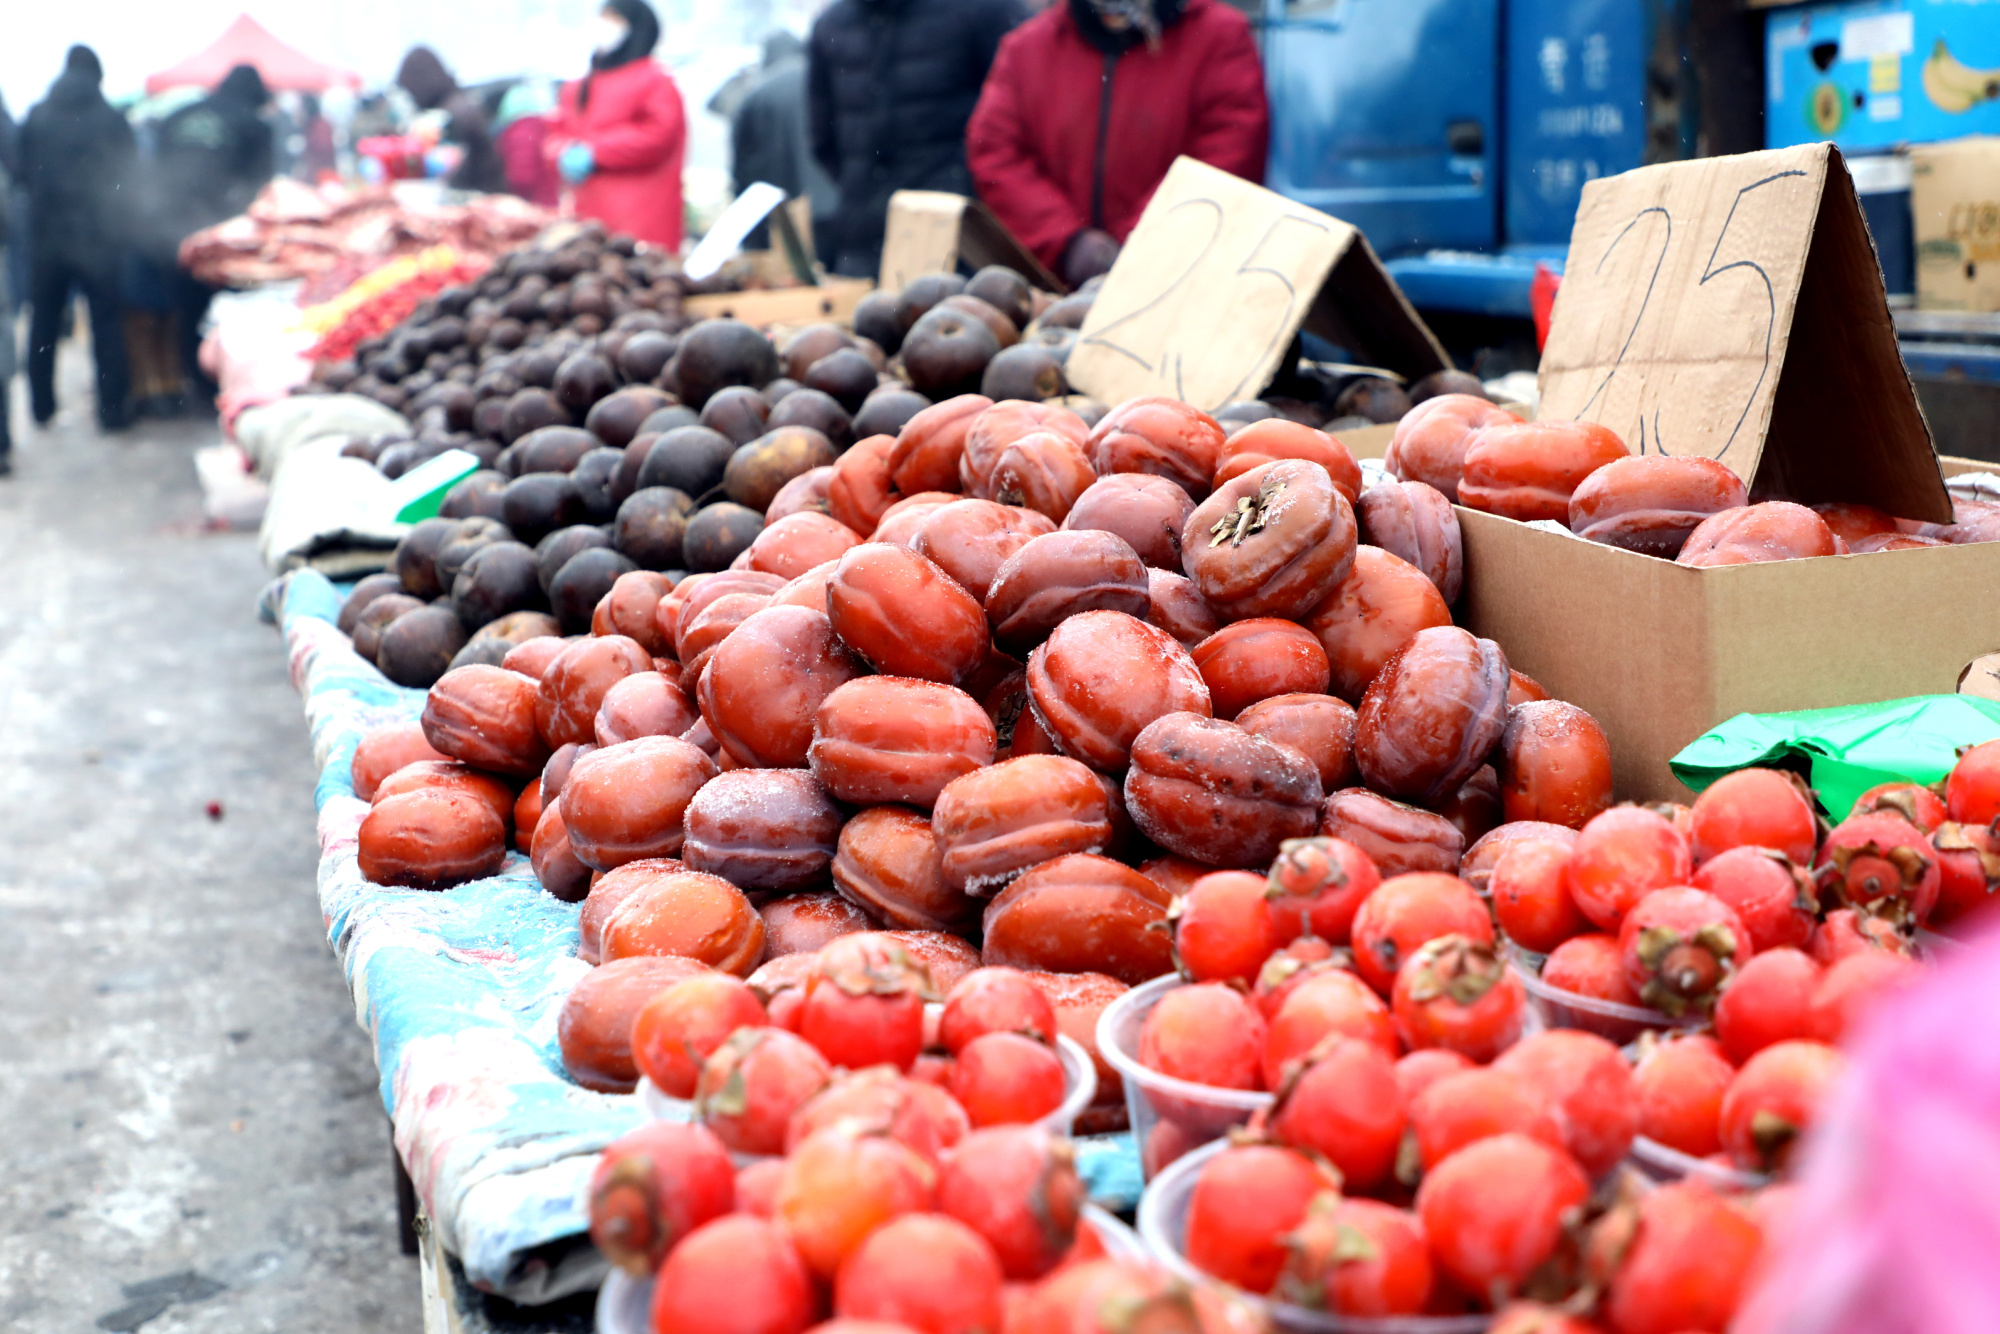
{"type": "Point", "coordinates": [725, 238]}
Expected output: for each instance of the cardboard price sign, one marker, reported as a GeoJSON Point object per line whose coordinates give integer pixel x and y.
{"type": "Point", "coordinates": [1215, 281]}
{"type": "Point", "coordinates": [1733, 308]}
{"type": "Point", "coordinates": [930, 231]}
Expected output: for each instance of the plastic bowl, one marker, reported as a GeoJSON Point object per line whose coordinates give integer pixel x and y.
{"type": "Point", "coordinates": [1079, 1091]}
{"type": "Point", "coordinates": [1163, 1225]}
{"type": "Point", "coordinates": [1169, 1116]}
{"type": "Point", "coordinates": [1558, 1008]}
{"type": "Point", "coordinates": [624, 1303]}
{"type": "Point", "coordinates": [1663, 1164]}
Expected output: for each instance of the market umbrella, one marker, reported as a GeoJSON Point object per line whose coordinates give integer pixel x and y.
{"type": "Point", "coordinates": [247, 42]}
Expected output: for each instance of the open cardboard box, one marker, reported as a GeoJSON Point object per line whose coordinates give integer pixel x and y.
{"type": "Point", "coordinates": [1659, 653]}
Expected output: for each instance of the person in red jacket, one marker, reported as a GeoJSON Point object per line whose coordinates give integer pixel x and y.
{"type": "Point", "coordinates": [620, 133]}
{"type": "Point", "coordinates": [1090, 102]}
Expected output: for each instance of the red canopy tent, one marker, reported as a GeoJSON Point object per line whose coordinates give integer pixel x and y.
{"type": "Point", "coordinates": [248, 43]}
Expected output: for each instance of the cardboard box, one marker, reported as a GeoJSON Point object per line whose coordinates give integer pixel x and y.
{"type": "Point", "coordinates": [1659, 653]}
{"type": "Point", "coordinates": [1879, 73]}
{"type": "Point", "coordinates": [1955, 211]}
{"type": "Point", "coordinates": [834, 299]}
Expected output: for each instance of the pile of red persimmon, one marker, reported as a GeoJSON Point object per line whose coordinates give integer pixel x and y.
{"type": "Point", "coordinates": [867, 1183]}
{"type": "Point", "coordinates": [1687, 509]}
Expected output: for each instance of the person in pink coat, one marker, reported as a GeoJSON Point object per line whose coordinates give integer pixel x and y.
{"type": "Point", "coordinates": [620, 134]}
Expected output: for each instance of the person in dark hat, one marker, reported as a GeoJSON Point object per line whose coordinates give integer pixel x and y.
{"type": "Point", "coordinates": [620, 132]}
{"type": "Point", "coordinates": [10, 171]}
{"type": "Point", "coordinates": [78, 157]}
{"type": "Point", "coordinates": [212, 158]}
{"type": "Point", "coordinates": [431, 86]}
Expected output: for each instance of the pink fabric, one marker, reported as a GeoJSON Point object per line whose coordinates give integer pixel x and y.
{"type": "Point", "coordinates": [1896, 1222]}
{"type": "Point", "coordinates": [637, 129]}
{"type": "Point", "coordinates": [529, 172]}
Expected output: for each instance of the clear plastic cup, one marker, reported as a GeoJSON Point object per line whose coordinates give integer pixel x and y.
{"type": "Point", "coordinates": [625, 1304]}
{"type": "Point", "coordinates": [1169, 1116]}
{"type": "Point", "coordinates": [1163, 1228]}
{"type": "Point", "coordinates": [1120, 1242]}
{"type": "Point", "coordinates": [1663, 1164]}
{"type": "Point", "coordinates": [1558, 1008]}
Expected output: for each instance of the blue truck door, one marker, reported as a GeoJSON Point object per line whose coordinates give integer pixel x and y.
{"type": "Point", "coordinates": [1385, 113]}
{"type": "Point", "coordinates": [1576, 104]}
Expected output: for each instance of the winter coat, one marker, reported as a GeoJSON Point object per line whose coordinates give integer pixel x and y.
{"type": "Point", "coordinates": [1076, 126]}
{"type": "Point", "coordinates": [637, 130]}
{"type": "Point", "coordinates": [891, 84]}
{"type": "Point", "coordinates": [212, 159]}
{"type": "Point", "coordinates": [78, 161]}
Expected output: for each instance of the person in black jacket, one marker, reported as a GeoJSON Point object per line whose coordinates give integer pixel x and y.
{"type": "Point", "coordinates": [891, 84]}
{"type": "Point", "coordinates": [78, 157]}
{"type": "Point", "coordinates": [212, 158]}
{"type": "Point", "coordinates": [769, 141]}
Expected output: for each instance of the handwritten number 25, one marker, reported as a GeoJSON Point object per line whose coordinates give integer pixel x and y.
{"type": "Point", "coordinates": [1284, 322]}
{"type": "Point", "coordinates": [1715, 270]}
{"type": "Point", "coordinates": [1103, 336]}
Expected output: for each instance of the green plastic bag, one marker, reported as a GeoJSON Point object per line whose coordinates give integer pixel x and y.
{"type": "Point", "coordinates": [1846, 751]}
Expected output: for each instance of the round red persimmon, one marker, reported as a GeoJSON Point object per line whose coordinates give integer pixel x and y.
{"type": "Point", "coordinates": [1432, 715]}
{"type": "Point", "coordinates": [1497, 1210]}
{"type": "Point", "coordinates": [1620, 857]}
{"type": "Point", "coordinates": [1147, 512]}
{"type": "Point", "coordinates": [906, 616]}
{"type": "Point", "coordinates": [765, 683]}
{"type": "Point", "coordinates": [891, 739]}
{"type": "Point", "coordinates": [1258, 659]}
{"type": "Point", "coordinates": [1529, 471]}
{"type": "Point", "coordinates": [1767, 1002]}
{"type": "Point", "coordinates": [1102, 678]}
{"type": "Point", "coordinates": [1243, 1207]}
{"type": "Point", "coordinates": [736, 1275]}
{"type": "Point", "coordinates": [1161, 436]}
{"type": "Point", "coordinates": [1554, 764]}
{"type": "Point", "coordinates": [1774, 1099]}
{"type": "Point", "coordinates": [1276, 541]}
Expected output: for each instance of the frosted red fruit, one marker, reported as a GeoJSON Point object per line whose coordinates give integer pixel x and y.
{"type": "Point", "coordinates": [993, 429]}
{"type": "Point", "coordinates": [1880, 864]}
{"type": "Point", "coordinates": [1258, 659]}
{"type": "Point", "coordinates": [1589, 1082]}
{"type": "Point", "coordinates": [1759, 808]}
{"type": "Point", "coordinates": [1767, 1002]}
{"type": "Point", "coordinates": [1430, 441]}
{"type": "Point", "coordinates": [971, 539]}
{"type": "Point", "coordinates": [927, 1272]}
{"type": "Point", "coordinates": [888, 864]}
{"type": "Point", "coordinates": [1044, 471]}
{"type": "Point", "coordinates": [762, 829]}
{"type": "Point", "coordinates": [1080, 913]}
{"type": "Point", "coordinates": [737, 1275]}
{"type": "Point", "coordinates": [1405, 913]}
{"type": "Point", "coordinates": [891, 739]}
{"type": "Point", "coordinates": [765, 683]}
{"type": "Point", "coordinates": [998, 821]}
{"type": "Point", "coordinates": [1774, 898]}
{"type": "Point", "coordinates": [1528, 471]}
{"type": "Point", "coordinates": [628, 802]}
{"type": "Point", "coordinates": [1276, 438]}
{"type": "Point", "coordinates": [1319, 727]}
{"type": "Point", "coordinates": [1414, 521]}
{"type": "Point", "coordinates": [1102, 677]}
{"type": "Point", "coordinates": [928, 448]}
{"type": "Point", "coordinates": [572, 689]}
{"type": "Point", "coordinates": [1680, 946]}
{"type": "Point", "coordinates": [906, 616]}
{"type": "Point", "coordinates": [1396, 837]}
{"type": "Point", "coordinates": [1276, 541]}
{"type": "Point", "coordinates": [1060, 575]}
{"type": "Point", "coordinates": [1177, 607]}
{"type": "Point", "coordinates": [1619, 858]}
{"type": "Point", "coordinates": [654, 1186]}
{"type": "Point", "coordinates": [1649, 503]}
{"type": "Point", "coordinates": [1432, 715]}
{"type": "Point", "coordinates": [1554, 765]}
{"type": "Point", "coordinates": [1162, 436]}
{"type": "Point", "coordinates": [1210, 791]}
{"type": "Point", "coordinates": [385, 750]}
{"type": "Point", "coordinates": [1147, 512]}
{"type": "Point", "coordinates": [1772, 530]}
{"type": "Point", "coordinates": [643, 704]}
{"type": "Point", "coordinates": [1774, 1099]}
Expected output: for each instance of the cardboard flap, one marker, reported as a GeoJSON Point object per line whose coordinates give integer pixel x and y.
{"type": "Point", "coordinates": [932, 231]}
{"type": "Point", "coordinates": [1215, 281]}
{"type": "Point", "coordinates": [1732, 307]}
{"type": "Point", "coordinates": [1846, 424]}
{"type": "Point", "coordinates": [1361, 308]}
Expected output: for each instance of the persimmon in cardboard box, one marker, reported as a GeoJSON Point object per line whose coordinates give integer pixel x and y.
{"type": "Point", "coordinates": [1734, 307]}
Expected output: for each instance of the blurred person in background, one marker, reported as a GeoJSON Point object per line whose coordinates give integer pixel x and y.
{"type": "Point", "coordinates": [10, 168]}
{"type": "Point", "coordinates": [769, 139]}
{"type": "Point", "coordinates": [620, 132]}
{"type": "Point", "coordinates": [79, 159]}
{"type": "Point", "coordinates": [521, 134]}
{"type": "Point", "coordinates": [431, 86]}
{"type": "Point", "coordinates": [1088, 105]}
{"type": "Point", "coordinates": [212, 159]}
{"type": "Point", "coordinates": [316, 154]}
{"type": "Point", "coordinates": [891, 84]}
